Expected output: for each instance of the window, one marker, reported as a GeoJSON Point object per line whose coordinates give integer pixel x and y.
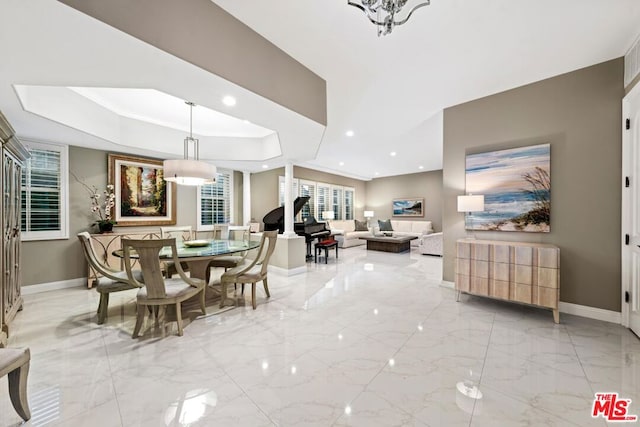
{"type": "Point", "coordinates": [322, 197]}
{"type": "Point", "coordinates": [349, 196]}
{"type": "Point", "coordinates": [281, 192]}
{"type": "Point", "coordinates": [308, 188]}
{"type": "Point", "coordinates": [215, 201]}
{"type": "Point", "coordinates": [44, 196]}
{"type": "Point", "coordinates": [336, 202]}
{"type": "Point", "coordinates": [323, 203]}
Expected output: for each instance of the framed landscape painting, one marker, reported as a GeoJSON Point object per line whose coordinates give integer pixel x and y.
{"type": "Point", "coordinates": [143, 197]}
{"type": "Point", "coordinates": [516, 184]}
{"type": "Point", "coordinates": [408, 207]}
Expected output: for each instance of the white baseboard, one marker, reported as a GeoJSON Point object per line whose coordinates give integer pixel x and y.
{"type": "Point", "coordinates": [447, 284]}
{"type": "Point", "coordinates": [288, 272]}
{"type": "Point", "coordinates": [54, 286]}
{"type": "Point", "coordinates": [591, 312]}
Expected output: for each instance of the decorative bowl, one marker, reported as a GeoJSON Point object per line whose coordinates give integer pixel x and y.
{"type": "Point", "coordinates": [195, 243]}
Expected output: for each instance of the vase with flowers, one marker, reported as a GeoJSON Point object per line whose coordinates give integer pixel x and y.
{"type": "Point", "coordinates": [101, 206]}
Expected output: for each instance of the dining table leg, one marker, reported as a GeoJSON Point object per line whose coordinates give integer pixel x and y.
{"type": "Point", "coordinates": [199, 268]}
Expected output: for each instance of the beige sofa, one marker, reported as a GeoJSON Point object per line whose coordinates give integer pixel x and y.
{"type": "Point", "coordinates": [345, 234]}
{"type": "Point", "coordinates": [409, 228]}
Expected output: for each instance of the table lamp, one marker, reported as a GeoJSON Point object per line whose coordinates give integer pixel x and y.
{"type": "Point", "coordinates": [368, 214]}
{"type": "Point", "coordinates": [471, 203]}
{"type": "Point", "coordinates": [328, 215]}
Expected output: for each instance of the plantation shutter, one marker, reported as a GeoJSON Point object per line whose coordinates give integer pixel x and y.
{"type": "Point", "coordinates": [216, 200]}
{"type": "Point", "coordinates": [308, 188]}
{"type": "Point", "coordinates": [349, 195]}
{"type": "Point", "coordinates": [42, 193]}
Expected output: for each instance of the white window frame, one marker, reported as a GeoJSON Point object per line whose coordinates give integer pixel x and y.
{"type": "Point", "coordinates": [344, 202]}
{"type": "Point", "coordinates": [319, 187]}
{"type": "Point", "coordinates": [209, 227]}
{"type": "Point", "coordinates": [312, 201]}
{"type": "Point", "coordinates": [63, 232]}
{"type": "Point", "coordinates": [327, 202]}
{"type": "Point", "coordinates": [338, 209]}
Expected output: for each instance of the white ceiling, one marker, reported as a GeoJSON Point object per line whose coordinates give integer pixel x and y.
{"type": "Point", "coordinates": [390, 91]}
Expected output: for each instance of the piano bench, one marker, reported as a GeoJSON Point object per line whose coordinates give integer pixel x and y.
{"type": "Point", "coordinates": [326, 246]}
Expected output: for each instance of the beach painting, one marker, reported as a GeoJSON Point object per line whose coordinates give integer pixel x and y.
{"type": "Point", "coordinates": [516, 184]}
{"type": "Point", "coordinates": [408, 207]}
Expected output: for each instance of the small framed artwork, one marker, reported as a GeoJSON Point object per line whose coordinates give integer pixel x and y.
{"type": "Point", "coordinates": [408, 207]}
{"type": "Point", "coordinates": [143, 197]}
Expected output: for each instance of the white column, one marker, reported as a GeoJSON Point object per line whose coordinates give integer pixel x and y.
{"type": "Point", "coordinates": [288, 201]}
{"type": "Point", "coordinates": [246, 198]}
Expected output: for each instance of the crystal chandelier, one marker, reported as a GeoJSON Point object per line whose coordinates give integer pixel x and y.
{"type": "Point", "coordinates": [190, 171]}
{"type": "Point", "coordinates": [386, 14]}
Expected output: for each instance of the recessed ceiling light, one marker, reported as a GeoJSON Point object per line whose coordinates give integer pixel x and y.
{"type": "Point", "coordinates": [377, 173]}
{"type": "Point", "coordinates": [265, 166]}
{"type": "Point", "coordinates": [420, 167]}
{"type": "Point", "coordinates": [392, 154]}
{"type": "Point", "coordinates": [229, 101]}
{"type": "Point", "coordinates": [341, 163]}
{"type": "Point", "coordinates": [349, 133]}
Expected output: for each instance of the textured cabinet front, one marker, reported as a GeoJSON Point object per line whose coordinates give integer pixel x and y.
{"type": "Point", "coordinates": [13, 156]}
{"type": "Point", "coordinates": [522, 272]}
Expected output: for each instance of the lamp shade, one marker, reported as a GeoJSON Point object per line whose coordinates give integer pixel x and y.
{"type": "Point", "coordinates": [328, 215]}
{"type": "Point", "coordinates": [189, 172]}
{"type": "Point", "coordinates": [368, 214]}
{"type": "Point", "coordinates": [471, 203]}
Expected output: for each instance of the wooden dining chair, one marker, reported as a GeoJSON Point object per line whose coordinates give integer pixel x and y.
{"type": "Point", "coordinates": [14, 362]}
{"type": "Point", "coordinates": [230, 261]}
{"type": "Point", "coordinates": [251, 272]}
{"type": "Point", "coordinates": [160, 291]}
{"type": "Point", "coordinates": [180, 233]}
{"type": "Point", "coordinates": [110, 280]}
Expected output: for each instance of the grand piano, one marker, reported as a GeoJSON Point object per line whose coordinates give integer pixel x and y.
{"type": "Point", "coordinates": [310, 228]}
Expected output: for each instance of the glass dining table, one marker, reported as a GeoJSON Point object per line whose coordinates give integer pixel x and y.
{"type": "Point", "coordinates": [198, 253]}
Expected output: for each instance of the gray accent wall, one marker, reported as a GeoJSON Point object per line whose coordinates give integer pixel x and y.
{"type": "Point", "coordinates": [57, 260]}
{"type": "Point", "coordinates": [426, 185]}
{"type": "Point", "coordinates": [580, 114]}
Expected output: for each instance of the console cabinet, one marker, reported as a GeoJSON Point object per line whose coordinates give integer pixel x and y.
{"type": "Point", "coordinates": [527, 273]}
{"type": "Point", "coordinates": [13, 157]}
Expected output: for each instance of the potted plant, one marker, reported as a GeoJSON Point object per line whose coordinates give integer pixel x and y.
{"type": "Point", "coordinates": [101, 207]}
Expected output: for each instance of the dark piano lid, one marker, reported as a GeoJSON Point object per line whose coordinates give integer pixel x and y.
{"type": "Point", "coordinates": [277, 215]}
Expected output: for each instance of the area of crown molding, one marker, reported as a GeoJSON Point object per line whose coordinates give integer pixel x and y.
{"type": "Point", "coordinates": [61, 47]}
{"type": "Point", "coordinates": [66, 106]}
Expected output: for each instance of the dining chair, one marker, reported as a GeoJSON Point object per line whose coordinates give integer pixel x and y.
{"type": "Point", "coordinates": [14, 362]}
{"type": "Point", "coordinates": [251, 272]}
{"type": "Point", "coordinates": [157, 290]}
{"type": "Point", "coordinates": [230, 261]}
{"type": "Point", "coordinates": [221, 231]}
{"type": "Point", "coordinates": [180, 233]}
{"type": "Point", "coordinates": [110, 280]}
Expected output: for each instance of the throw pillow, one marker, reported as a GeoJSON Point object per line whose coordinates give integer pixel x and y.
{"type": "Point", "coordinates": [385, 225]}
{"type": "Point", "coordinates": [361, 225]}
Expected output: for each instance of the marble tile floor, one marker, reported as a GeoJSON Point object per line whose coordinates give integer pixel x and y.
{"type": "Point", "coordinates": [370, 340]}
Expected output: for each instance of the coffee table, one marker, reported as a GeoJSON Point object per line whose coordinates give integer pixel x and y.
{"type": "Point", "coordinates": [389, 244]}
